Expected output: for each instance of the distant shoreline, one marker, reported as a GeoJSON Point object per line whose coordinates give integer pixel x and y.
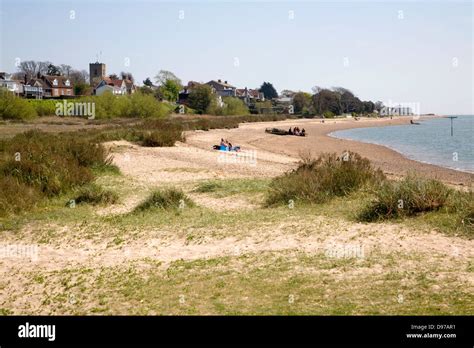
{"type": "Point", "coordinates": [407, 156]}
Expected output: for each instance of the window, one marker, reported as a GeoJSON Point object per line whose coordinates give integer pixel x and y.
{"type": "Point", "coordinates": [55, 82]}
{"type": "Point", "coordinates": [67, 83]}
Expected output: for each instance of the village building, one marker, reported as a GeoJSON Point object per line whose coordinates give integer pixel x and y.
{"type": "Point", "coordinates": [249, 96]}
{"type": "Point", "coordinates": [223, 89]}
{"type": "Point", "coordinates": [115, 86]}
{"type": "Point", "coordinates": [52, 86]}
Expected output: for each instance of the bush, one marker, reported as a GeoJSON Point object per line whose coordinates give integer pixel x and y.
{"type": "Point", "coordinates": [53, 164]}
{"type": "Point", "coordinates": [44, 107]}
{"type": "Point", "coordinates": [146, 106]}
{"type": "Point", "coordinates": [95, 194]}
{"type": "Point", "coordinates": [407, 197]}
{"type": "Point", "coordinates": [158, 133]}
{"type": "Point", "coordinates": [328, 114]}
{"type": "Point", "coordinates": [200, 98]}
{"type": "Point", "coordinates": [137, 105]}
{"type": "Point", "coordinates": [15, 108]}
{"type": "Point", "coordinates": [234, 106]}
{"type": "Point", "coordinates": [317, 181]}
{"type": "Point", "coordinates": [16, 197]}
{"type": "Point", "coordinates": [460, 207]}
{"type": "Point", "coordinates": [209, 186]}
{"type": "Point", "coordinates": [165, 199]}
{"type": "Point", "coordinates": [467, 210]}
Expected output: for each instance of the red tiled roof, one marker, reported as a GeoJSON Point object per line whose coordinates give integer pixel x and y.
{"type": "Point", "coordinates": [60, 79]}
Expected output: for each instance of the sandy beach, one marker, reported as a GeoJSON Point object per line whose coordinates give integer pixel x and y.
{"type": "Point", "coordinates": [252, 136]}
{"type": "Point", "coordinates": [229, 237]}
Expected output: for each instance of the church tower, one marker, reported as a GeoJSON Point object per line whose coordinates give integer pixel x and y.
{"type": "Point", "coordinates": [96, 73]}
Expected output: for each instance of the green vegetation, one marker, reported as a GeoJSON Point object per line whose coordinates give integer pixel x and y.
{"type": "Point", "coordinates": [44, 107]}
{"type": "Point", "coordinates": [137, 105]}
{"type": "Point", "coordinates": [408, 197]}
{"type": "Point", "coordinates": [16, 197]}
{"type": "Point", "coordinates": [45, 165]}
{"type": "Point", "coordinates": [200, 98]}
{"type": "Point", "coordinates": [232, 106]}
{"type": "Point", "coordinates": [160, 135]}
{"type": "Point", "coordinates": [339, 101]}
{"type": "Point", "coordinates": [440, 206]}
{"type": "Point", "coordinates": [225, 188]}
{"type": "Point", "coordinates": [267, 283]}
{"type": "Point", "coordinates": [95, 194]}
{"type": "Point", "coordinates": [15, 108]}
{"type": "Point", "coordinates": [165, 199]}
{"type": "Point", "coordinates": [317, 181]}
{"type": "Point", "coordinates": [268, 91]}
{"type": "Point", "coordinates": [302, 103]}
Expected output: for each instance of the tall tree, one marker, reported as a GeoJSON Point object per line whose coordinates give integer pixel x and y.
{"type": "Point", "coordinates": [79, 77]}
{"type": "Point", "coordinates": [326, 100]}
{"type": "Point", "coordinates": [114, 77]}
{"type": "Point", "coordinates": [200, 98]}
{"type": "Point", "coordinates": [170, 90]}
{"type": "Point", "coordinates": [369, 107]}
{"type": "Point", "coordinates": [65, 69]}
{"type": "Point", "coordinates": [147, 82]}
{"type": "Point", "coordinates": [378, 106]}
{"type": "Point", "coordinates": [268, 90]}
{"type": "Point", "coordinates": [53, 70]}
{"type": "Point", "coordinates": [301, 102]}
{"type": "Point", "coordinates": [165, 75]}
{"type": "Point", "coordinates": [32, 68]}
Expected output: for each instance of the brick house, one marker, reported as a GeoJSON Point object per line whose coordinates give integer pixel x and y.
{"type": "Point", "coordinates": [53, 86]}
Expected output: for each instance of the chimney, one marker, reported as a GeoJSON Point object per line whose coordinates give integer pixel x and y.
{"type": "Point", "coordinates": [225, 82]}
{"type": "Point", "coordinates": [219, 80]}
{"type": "Point", "coordinates": [26, 79]}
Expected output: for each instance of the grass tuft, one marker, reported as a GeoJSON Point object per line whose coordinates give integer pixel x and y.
{"type": "Point", "coordinates": [165, 199]}
{"type": "Point", "coordinates": [407, 197]}
{"type": "Point", "coordinates": [95, 194]}
{"type": "Point", "coordinates": [329, 176]}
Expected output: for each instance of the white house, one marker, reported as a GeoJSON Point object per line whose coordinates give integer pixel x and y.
{"type": "Point", "coordinates": [116, 87]}
{"type": "Point", "coordinates": [11, 85]}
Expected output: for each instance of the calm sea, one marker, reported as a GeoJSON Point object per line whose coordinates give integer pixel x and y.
{"type": "Point", "coordinates": [429, 142]}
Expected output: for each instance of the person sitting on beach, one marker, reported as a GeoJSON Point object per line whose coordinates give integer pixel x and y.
{"type": "Point", "coordinates": [230, 147]}
{"type": "Point", "coordinates": [290, 132]}
{"type": "Point", "coordinates": [303, 132]}
{"type": "Point", "coordinates": [223, 145]}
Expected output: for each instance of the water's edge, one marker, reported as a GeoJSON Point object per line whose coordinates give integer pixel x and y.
{"type": "Point", "coordinates": [406, 155]}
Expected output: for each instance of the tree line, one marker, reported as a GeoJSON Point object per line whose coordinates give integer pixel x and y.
{"type": "Point", "coordinates": [323, 101]}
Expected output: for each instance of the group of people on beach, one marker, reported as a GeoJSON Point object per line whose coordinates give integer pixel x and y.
{"type": "Point", "coordinates": [297, 131]}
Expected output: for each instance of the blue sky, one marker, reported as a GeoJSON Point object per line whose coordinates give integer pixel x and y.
{"type": "Point", "coordinates": [399, 51]}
